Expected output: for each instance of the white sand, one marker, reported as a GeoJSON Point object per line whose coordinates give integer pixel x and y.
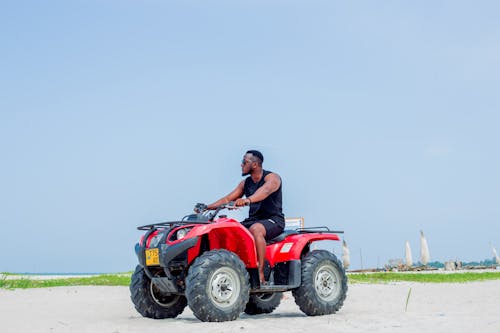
{"type": "Point", "coordinates": [470, 307]}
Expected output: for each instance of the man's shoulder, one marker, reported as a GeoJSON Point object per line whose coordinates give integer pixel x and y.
{"type": "Point", "coordinates": [270, 174]}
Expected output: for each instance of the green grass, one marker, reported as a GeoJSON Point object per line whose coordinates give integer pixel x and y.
{"type": "Point", "coordinates": [24, 282]}
{"type": "Point", "coordinates": [384, 277]}
{"type": "Point", "coordinates": [123, 279]}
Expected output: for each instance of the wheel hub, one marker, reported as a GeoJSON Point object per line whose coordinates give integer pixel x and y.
{"type": "Point", "coordinates": [224, 287]}
{"type": "Point", "coordinates": [326, 283]}
{"type": "Point", "coordinates": [165, 300]}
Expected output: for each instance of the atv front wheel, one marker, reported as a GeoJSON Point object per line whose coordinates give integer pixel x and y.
{"type": "Point", "coordinates": [217, 286]}
{"type": "Point", "coordinates": [150, 302]}
{"type": "Point", "coordinates": [324, 284]}
{"type": "Point", "coordinates": [263, 303]}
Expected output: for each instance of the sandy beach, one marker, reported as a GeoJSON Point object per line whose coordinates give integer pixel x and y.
{"type": "Point", "coordinates": [448, 308]}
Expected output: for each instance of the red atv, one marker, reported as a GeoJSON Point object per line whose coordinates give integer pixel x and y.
{"type": "Point", "coordinates": [210, 264]}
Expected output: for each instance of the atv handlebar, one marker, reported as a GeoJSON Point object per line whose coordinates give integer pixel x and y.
{"type": "Point", "coordinates": [202, 208]}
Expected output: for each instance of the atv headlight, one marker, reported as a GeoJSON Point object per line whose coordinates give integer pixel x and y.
{"type": "Point", "coordinates": [155, 240]}
{"type": "Point", "coordinates": [181, 233]}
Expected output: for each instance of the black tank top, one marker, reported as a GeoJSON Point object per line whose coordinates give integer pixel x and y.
{"type": "Point", "coordinates": [270, 207]}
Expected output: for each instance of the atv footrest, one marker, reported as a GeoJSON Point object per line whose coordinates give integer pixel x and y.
{"type": "Point", "coordinates": [271, 288]}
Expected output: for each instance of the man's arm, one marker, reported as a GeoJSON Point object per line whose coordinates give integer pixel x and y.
{"type": "Point", "coordinates": [272, 183]}
{"type": "Point", "coordinates": [235, 194]}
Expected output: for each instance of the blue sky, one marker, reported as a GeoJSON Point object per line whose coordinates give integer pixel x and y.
{"type": "Point", "coordinates": [381, 117]}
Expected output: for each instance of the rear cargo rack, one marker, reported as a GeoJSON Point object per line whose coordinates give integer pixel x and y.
{"type": "Point", "coordinates": [322, 229]}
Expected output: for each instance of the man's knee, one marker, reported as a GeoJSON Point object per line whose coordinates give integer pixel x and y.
{"type": "Point", "coordinates": [258, 230]}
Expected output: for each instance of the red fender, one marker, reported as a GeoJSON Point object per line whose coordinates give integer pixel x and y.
{"type": "Point", "coordinates": [291, 247]}
{"type": "Point", "coordinates": [226, 234]}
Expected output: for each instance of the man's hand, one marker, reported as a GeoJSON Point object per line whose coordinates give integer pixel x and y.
{"type": "Point", "coordinates": [242, 202]}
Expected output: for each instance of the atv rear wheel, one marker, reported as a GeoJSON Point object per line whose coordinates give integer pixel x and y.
{"type": "Point", "coordinates": [150, 302]}
{"type": "Point", "coordinates": [324, 284]}
{"type": "Point", "coordinates": [263, 303]}
{"type": "Point", "coordinates": [217, 286]}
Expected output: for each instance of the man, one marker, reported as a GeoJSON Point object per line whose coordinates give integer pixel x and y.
{"type": "Point", "coordinates": [262, 191]}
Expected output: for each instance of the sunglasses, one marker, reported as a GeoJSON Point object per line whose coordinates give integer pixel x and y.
{"type": "Point", "coordinates": [243, 161]}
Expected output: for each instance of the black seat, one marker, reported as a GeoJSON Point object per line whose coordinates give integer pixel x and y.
{"type": "Point", "coordinates": [282, 236]}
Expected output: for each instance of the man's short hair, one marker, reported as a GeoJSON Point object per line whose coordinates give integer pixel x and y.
{"type": "Point", "coordinates": [258, 155]}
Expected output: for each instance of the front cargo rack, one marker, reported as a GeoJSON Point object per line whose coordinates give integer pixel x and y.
{"type": "Point", "coordinates": [170, 224]}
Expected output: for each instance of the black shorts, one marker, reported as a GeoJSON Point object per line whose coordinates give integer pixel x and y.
{"type": "Point", "coordinates": [273, 229]}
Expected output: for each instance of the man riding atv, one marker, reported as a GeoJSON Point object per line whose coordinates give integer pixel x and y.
{"type": "Point", "coordinates": [262, 191]}
{"type": "Point", "coordinates": [218, 266]}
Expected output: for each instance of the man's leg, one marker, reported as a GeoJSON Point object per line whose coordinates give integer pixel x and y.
{"type": "Point", "coordinates": [259, 233]}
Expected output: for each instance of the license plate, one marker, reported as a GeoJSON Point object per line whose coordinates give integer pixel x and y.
{"type": "Point", "coordinates": [152, 257]}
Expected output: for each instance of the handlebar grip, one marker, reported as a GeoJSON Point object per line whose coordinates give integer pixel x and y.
{"type": "Point", "coordinates": [200, 207]}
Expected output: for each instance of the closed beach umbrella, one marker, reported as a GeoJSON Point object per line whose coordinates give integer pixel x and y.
{"type": "Point", "coordinates": [346, 258]}
{"type": "Point", "coordinates": [497, 259]}
{"type": "Point", "coordinates": [409, 260]}
{"type": "Point", "coordinates": [424, 249]}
